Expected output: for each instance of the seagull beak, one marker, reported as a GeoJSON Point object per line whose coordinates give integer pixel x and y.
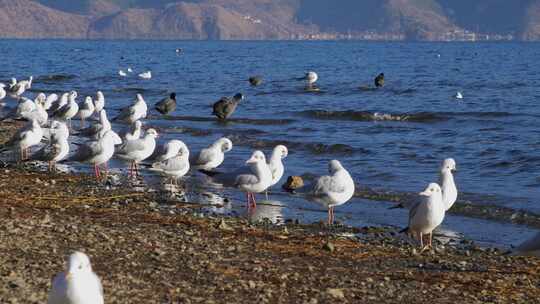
{"type": "Point", "coordinates": [251, 161]}
{"type": "Point", "coordinates": [424, 193]}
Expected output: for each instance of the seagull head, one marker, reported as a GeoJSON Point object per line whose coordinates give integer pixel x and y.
{"type": "Point", "coordinates": [256, 157]}
{"type": "Point", "coordinates": [281, 151]}
{"type": "Point", "coordinates": [225, 143]}
{"type": "Point", "coordinates": [78, 262]}
{"type": "Point", "coordinates": [41, 97]}
{"type": "Point", "coordinates": [88, 100]}
{"type": "Point", "coordinates": [173, 96]}
{"type": "Point", "coordinates": [152, 132]}
{"type": "Point", "coordinates": [448, 165]}
{"type": "Point", "coordinates": [100, 95]}
{"type": "Point", "coordinates": [431, 190]}
{"type": "Point", "coordinates": [239, 96]}
{"type": "Point", "coordinates": [334, 166]}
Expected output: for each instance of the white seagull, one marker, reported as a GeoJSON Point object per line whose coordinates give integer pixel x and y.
{"type": "Point", "coordinates": [134, 132]}
{"type": "Point", "coordinates": [212, 157]}
{"type": "Point", "coordinates": [458, 95]}
{"type": "Point", "coordinates": [121, 73]}
{"type": "Point", "coordinates": [276, 163]}
{"type": "Point", "coordinates": [25, 138]}
{"type": "Point", "coordinates": [97, 130]}
{"type": "Point", "coordinates": [146, 75]}
{"type": "Point", "coordinates": [58, 147]}
{"type": "Point", "coordinates": [86, 109]}
{"type": "Point", "coordinates": [50, 100]}
{"type": "Point", "coordinates": [78, 285]}
{"type": "Point", "coordinates": [60, 103]}
{"type": "Point", "coordinates": [448, 186]}
{"type": "Point", "coordinates": [98, 152]}
{"type": "Point", "coordinates": [138, 150]}
{"type": "Point", "coordinates": [134, 112]}
{"type": "Point", "coordinates": [334, 189]}
{"type": "Point", "coordinates": [68, 111]}
{"type": "Point", "coordinates": [99, 102]}
{"type": "Point", "coordinates": [258, 181]}
{"type": "Point", "coordinates": [426, 215]}
{"type": "Point", "coordinates": [177, 165]}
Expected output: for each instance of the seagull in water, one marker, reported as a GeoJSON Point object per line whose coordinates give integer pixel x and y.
{"type": "Point", "coordinates": [49, 101]}
{"type": "Point", "coordinates": [255, 80]}
{"type": "Point", "coordinates": [174, 166]}
{"type": "Point", "coordinates": [426, 215]}
{"type": "Point", "coordinates": [333, 190]}
{"type": "Point", "coordinates": [98, 152]}
{"type": "Point", "coordinates": [146, 75]}
{"type": "Point", "coordinates": [134, 112]}
{"type": "Point", "coordinates": [121, 73]}
{"type": "Point", "coordinates": [68, 111]}
{"type": "Point", "coordinates": [78, 285]}
{"type": "Point", "coordinates": [448, 186]}
{"type": "Point", "coordinates": [258, 181]}
{"type": "Point", "coordinates": [212, 157]}
{"type": "Point", "coordinates": [458, 95]}
{"type": "Point", "coordinates": [276, 164]}
{"type": "Point", "coordinates": [226, 106]}
{"type": "Point", "coordinates": [58, 147]}
{"type": "Point", "coordinates": [138, 150]}
{"type": "Point", "coordinates": [379, 80]}
{"type": "Point", "coordinates": [166, 105]}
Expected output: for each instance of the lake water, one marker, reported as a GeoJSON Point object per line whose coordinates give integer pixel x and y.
{"type": "Point", "coordinates": [390, 139]}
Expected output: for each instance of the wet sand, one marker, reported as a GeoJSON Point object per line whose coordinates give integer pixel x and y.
{"type": "Point", "coordinates": [147, 252]}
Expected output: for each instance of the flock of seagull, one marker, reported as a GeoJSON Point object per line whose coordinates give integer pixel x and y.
{"type": "Point", "coordinates": [50, 127]}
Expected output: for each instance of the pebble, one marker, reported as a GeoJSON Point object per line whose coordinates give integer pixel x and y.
{"type": "Point", "coordinates": [336, 293]}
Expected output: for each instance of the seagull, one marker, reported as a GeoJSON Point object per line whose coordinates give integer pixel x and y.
{"type": "Point", "coordinates": [129, 70]}
{"type": "Point", "coordinates": [134, 112]}
{"type": "Point", "coordinates": [121, 73]}
{"type": "Point", "coordinates": [276, 165]}
{"type": "Point", "coordinates": [49, 101]}
{"type": "Point", "coordinates": [146, 75]}
{"type": "Point", "coordinates": [58, 147]}
{"type": "Point", "coordinates": [168, 150]}
{"type": "Point", "coordinates": [458, 95]}
{"type": "Point", "coordinates": [256, 182]}
{"type": "Point", "coordinates": [255, 80]}
{"type": "Point", "coordinates": [78, 285]}
{"type": "Point", "coordinates": [311, 77]}
{"type": "Point", "coordinates": [134, 133]}
{"type": "Point", "coordinates": [530, 247]}
{"type": "Point", "coordinates": [61, 103]}
{"type": "Point", "coordinates": [25, 138]}
{"type": "Point", "coordinates": [15, 89]}
{"type": "Point", "coordinates": [68, 111]}
{"type": "Point", "coordinates": [166, 105]}
{"type": "Point", "coordinates": [426, 215]}
{"type": "Point", "coordinates": [26, 83]}
{"type": "Point", "coordinates": [177, 165]}
{"type": "Point", "coordinates": [86, 109]}
{"type": "Point", "coordinates": [99, 102]}
{"type": "Point", "coordinates": [379, 80]}
{"type": "Point", "coordinates": [98, 152]}
{"type": "Point", "coordinates": [98, 129]}
{"type": "Point", "coordinates": [334, 189]}
{"type": "Point", "coordinates": [226, 106]}
{"type": "Point", "coordinates": [38, 113]}
{"type": "Point", "coordinates": [3, 92]}
{"type": "Point", "coordinates": [448, 186]}
{"type": "Point", "coordinates": [212, 157]}
{"type": "Point", "coordinates": [138, 150]}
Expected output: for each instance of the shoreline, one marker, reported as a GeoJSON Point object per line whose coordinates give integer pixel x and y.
{"type": "Point", "coordinates": [146, 252]}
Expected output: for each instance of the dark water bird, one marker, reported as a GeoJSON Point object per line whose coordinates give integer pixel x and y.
{"type": "Point", "coordinates": [166, 105]}
{"type": "Point", "coordinates": [226, 106]}
{"type": "Point", "coordinates": [379, 80]}
{"type": "Point", "coordinates": [255, 80]}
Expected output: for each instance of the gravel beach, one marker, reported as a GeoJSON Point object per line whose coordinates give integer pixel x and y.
{"type": "Point", "coordinates": [148, 252]}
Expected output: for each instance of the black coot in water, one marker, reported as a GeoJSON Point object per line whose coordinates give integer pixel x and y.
{"type": "Point", "coordinates": [226, 106]}
{"type": "Point", "coordinates": [379, 80]}
{"type": "Point", "coordinates": [255, 80]}
{"type": "Point", "coordinates": [166, 105]}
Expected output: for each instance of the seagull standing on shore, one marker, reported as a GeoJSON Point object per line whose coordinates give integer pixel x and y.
{"type": "Point", "coordinates": [3, 92]}
{"type": "Point", "coordinates": [98, 152]}
{"type": "Point", "coordinates": [49, 101]}
{"type": "Point", "coordinates": [138, 150]}
{"type": "Point", "coordinates": [448, 186]}
{"type": "Point", "coordinates": [176, 165]}
{"type": "Point", "coordinates": [258, 181]}
{"type": "Point", "coordinates": [134, 112]}
{"type": "Point", "coordinates": [212, 157]}
{"type": "Point", "coordinates": [86, 109]}
{"type": "Point", "coordinates": [58, 147]}
{"type": "Point", "coordinates": [78, 285]}
{"type": "Point", "coordinates": [426, 215]}
{"type": "Point", "coordinates": [25, 138]}
{"type": "Point", "coordinates": [59, 104]}
{"type": "Point", "coordinates": [99, 102]}
{"type": "Point", "coordinates": [98, 129]}
{"type": "Point", "coordinates": [334, 189]}
{"type": "Point", "coordinates": [276, 164]}
{"type": "Point", "coordinates": [68, 111]}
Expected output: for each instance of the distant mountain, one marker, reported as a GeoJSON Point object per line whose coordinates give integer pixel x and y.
{"type": "Point", "coordinates": [271, 19]}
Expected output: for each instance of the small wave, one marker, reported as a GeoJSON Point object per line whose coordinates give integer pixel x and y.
{"type": "Point", "coordinates": [373, 116]}
{"type": "Point", "coordinates": [55, 78]}
{"type": "Point", "coordinates": [250, 121]}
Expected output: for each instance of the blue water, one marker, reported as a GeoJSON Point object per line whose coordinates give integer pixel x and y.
{"type": "Point", "coordinates": [390, 139]}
